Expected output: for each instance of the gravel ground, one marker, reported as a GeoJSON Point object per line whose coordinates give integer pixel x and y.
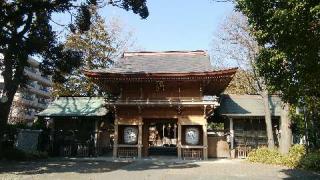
{"type": "Point", "coordinates": [147, 169]}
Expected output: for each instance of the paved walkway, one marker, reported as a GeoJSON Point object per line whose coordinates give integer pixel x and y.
{"type": "Point", "coordinates": [147, 169]}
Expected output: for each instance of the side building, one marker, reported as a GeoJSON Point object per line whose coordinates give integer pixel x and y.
{"type": "Point", "coordinates": [31, 98]}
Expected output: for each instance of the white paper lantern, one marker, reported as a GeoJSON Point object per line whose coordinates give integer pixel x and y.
{"type": "Point", "coordinates": [192, 136]}
{"type": "Point", "coordinates": [130, 135]}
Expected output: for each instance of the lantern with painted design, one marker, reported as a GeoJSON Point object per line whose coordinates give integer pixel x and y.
{"type": "Point", "coordinates": [130, 135]}
{"type": "Point", "coordinates": [192, 136]}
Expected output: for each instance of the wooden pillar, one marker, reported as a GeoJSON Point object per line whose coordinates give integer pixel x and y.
{"type": "Point", "coordinates": [205, 142]}
{"type": "Point", "coordinates": [115, 142]}
{"type": "Point", "coordinates": [175, 131]}
{"type": "Point", "coordinates": [140, 139]}
{"type": "Point", "coordinates": [231, 133]}
{"type": "Point", "coordinates": [51, 136]}
{"type": "Point", "coordinates": [96, 131]}
{"type": "Point", "coordinates": [179, 139]}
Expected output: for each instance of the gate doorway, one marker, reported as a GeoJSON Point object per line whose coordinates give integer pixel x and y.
{"type": "Point", "coordinates": [160, 138]}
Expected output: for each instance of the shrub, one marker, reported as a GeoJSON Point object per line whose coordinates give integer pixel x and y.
{"type": "Point", "coordinates": [311, 161]}
{"type": "Point", "coordinates": [19, 155]}
{"type": "Point", "coordinates": [296, 158]}
{"type": "Point", "coordinates": [293, 158]}
{"type": "Point", "coordinates": [14, 154]}
{"type": "Point", "coordinates": [265, 155]}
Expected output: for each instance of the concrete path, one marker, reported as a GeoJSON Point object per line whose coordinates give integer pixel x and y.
{"type": "Point", "coordinates": [151, 168]}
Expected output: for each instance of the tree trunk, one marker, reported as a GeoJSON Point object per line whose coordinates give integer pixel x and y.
{"type": "Point", "coordinates": [268, 119]}
{"type": "Point", "coordinates": [286, 133]}
{"type": "Point", "coordinates": [6, 106]}
{"type": "Point", "coordinates": [4, 114]}
{"type": "Point", "coordinates": [3, 124]}
{"type": "Point", "coordinates": [12, 76]}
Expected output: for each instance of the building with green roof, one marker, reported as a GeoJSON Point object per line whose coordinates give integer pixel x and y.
{"type": "Point", "coordinates": [170, 94]}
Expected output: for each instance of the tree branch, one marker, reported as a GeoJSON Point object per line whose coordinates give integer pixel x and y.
{"type": "Point", "coordinates": [27, 26]}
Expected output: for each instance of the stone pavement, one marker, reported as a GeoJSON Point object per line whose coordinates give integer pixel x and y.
{"type": "Point", "coordinates": [150, 168]}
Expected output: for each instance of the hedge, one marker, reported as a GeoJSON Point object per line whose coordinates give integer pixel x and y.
{"type": "Point", "coordinates": [296, 158]}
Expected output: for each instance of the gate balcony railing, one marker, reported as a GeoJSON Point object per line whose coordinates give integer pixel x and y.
{"type": "Point", "coordinates": [166, 101]}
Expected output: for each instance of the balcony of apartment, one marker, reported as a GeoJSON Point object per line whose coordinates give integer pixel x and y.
{"type": "Point", "coordinates": [33, 62]}
{"type": "Point", "coordinates": [35, 74]}
{"type": "Point", "coordinates": [47, 80]}
{"type": "Point", "coordinates": [23, 116]}
{"type": "Point", "coordinates": [27, 100]}
{"type": "Point", "coordinates": [39, 90]}
{"type": "Point", "coordinates": [42, 103]}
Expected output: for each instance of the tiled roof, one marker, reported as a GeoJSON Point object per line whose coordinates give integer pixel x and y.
{"type": "Point", "coordinates": [248, 105]}
{"type": "Point", "coordinates": [161, 62]}
{"type": "Point", "coordinates": [76, 106]}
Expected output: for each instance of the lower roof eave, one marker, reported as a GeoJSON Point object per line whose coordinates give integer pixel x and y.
{"type": "Point", "coordinates": [246, 115]}
{"type": "Point", "coordinates": [71, 115]}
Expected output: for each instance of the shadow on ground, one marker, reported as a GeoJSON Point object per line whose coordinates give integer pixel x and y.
{"type": "Point", "coordinates": [86, 166]}
{"type": "Point", "coordinates": [300, 174]}
{"type": "Point", "coordinates": [159, 164]}
{"type": "Point", "coordinates": [41, 167]}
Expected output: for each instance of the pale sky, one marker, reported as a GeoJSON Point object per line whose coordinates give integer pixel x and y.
{"type": "Point", "coordinates": [172, 24]}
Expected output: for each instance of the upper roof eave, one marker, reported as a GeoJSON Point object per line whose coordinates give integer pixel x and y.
{"type": "Point", "coordinates": [106, 75]}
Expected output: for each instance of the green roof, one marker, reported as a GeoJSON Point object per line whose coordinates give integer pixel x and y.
{"type": "Point", "coordinates": [76, 106]}
{"type": "Point", "coordinates": [248, 105]}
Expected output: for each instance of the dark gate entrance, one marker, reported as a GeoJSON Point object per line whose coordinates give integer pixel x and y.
{"type": "Point", "coordinates": [160, 138]}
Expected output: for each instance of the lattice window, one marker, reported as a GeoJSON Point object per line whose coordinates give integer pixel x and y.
{"type": "Point", "coordinates": [127, 152]}
{"type": "Point", "coordinates": [196, 154]}
{"type": "Point", "coordinates": [66, 150]}
{"type": "Point", "coordinates": [82, 150]}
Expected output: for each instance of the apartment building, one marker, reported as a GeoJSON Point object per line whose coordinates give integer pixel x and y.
{"type": "Point", "coordinates": [31, 98]}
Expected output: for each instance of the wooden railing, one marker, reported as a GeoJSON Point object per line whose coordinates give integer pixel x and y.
{"type": "Point", "coordinates": [127, 152]}
{"type": "Point", "coordinates": [170, 98]}
{"type": "Point", "coordinates": [192, 154]}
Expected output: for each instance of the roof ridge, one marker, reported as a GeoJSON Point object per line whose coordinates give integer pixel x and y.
{"type": "Point", "coordinates": [150, 53]}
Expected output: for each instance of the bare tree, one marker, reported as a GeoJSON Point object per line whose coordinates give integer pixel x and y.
{"type": "Point", "coordinates": [235, 46]}
{"type": "Point", "coordinates": [102, 45]}
{"type": "Point", "coordinates": [121, 37]}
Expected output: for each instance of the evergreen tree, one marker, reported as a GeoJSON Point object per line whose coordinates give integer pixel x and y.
{"type": "Point", "coordinates": [101, 45]}
{"type": "Point", "coordinates": [289, 34]}
{"type": "Point", "coordinates": [26, 31]}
